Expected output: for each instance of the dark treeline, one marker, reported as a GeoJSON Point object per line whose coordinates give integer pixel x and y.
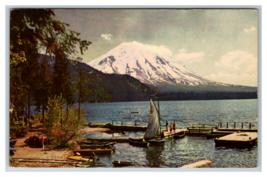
{"type": "Point", "coordinates": [208, 95]}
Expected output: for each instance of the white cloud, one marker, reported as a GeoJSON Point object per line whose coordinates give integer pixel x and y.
{"type": "Point", "coordinates": [189, 57]}
{"type": "Point", "coordinates": [181, 50]}
{"type": "Point", "coordinates": [236, 79]}
{"type": "Point", "coordinates": [250, 30]}
{"type": "Point", "coordinates": [238, 61]}
{"type": "Point", "coordinates": [161, 50]}
{"type": "Point", "coordinates": [106, 36]}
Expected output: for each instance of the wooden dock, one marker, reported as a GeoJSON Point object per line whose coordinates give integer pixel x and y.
{"type": "Point", "coordinates": [118, 127]}
{"type": "Point", "coordinates": [239, 140]}
{"type": "Point", "coordinates": [170, 134]}
{"type": "Point", "coordinates": [199, 164]}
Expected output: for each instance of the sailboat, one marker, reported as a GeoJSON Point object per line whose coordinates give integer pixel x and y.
{"type": "Point", "coordinates": [153, 131]}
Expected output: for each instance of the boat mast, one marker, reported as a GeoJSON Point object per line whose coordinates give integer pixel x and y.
{"type": "Point", "coordinates": [158, 108]}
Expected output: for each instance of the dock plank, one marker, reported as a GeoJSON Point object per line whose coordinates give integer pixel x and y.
{"type": "Point", "coordinates": [198, 164]}
{"type": "Point", "coordinates": [178, 130]}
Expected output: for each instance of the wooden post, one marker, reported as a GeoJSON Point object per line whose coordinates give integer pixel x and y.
{"type": "Point", "coordinates": [112, 122]}
{"type": "Point", "coordinates": [235, 124]}
{"type": "Point", "coordinates": [242, 125]}
{"type": "Point", "coordinates": [135, 123]}
{"type": "Point", "coordinates": [249, 125]}
{"type": "Point", "coordinates": [227, 125]}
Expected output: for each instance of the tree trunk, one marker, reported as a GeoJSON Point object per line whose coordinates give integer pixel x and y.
{"type": "Point", "coordinates": [29, 107]}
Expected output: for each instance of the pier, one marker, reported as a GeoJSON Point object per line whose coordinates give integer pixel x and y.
{"type": "Point", "coordinates": [239, 140]}
{"type": "Point", "coordinates": [228, 134]}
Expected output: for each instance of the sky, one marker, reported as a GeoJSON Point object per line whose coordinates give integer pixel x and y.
{"type": "Point", "coordinates": [217, 44]}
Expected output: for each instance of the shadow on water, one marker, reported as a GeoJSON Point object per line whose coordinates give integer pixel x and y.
{"type": "Point", "coordinates": [154, 156]}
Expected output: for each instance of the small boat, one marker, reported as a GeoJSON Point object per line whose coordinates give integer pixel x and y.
{"type": "Point", "coordinates": [153, 128]}
{"type": "Point", "coordinates": [80, 158]}
{"type": "Point", "coordinates": [85, 152]}
{"type": "Point", "coordinates": [96, 145]}
{"type": "Point", "coordinates": [137, 139]}
{"type": "Point", "coordinates": [12, 142]}
{"type": "Point", "coordinates": [156, 141]}
{"type": "Point", "coordinates": [138, 143]}
{"type": "Point", "coordinates": [179, 135]}
{"type": "Point", "coordinates": [134, 112]}
{"type": "Point", "coordinates": [118, 163]}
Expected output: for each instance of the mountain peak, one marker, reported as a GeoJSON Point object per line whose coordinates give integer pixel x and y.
{"type": "Point", "coordinates": [148, 63]}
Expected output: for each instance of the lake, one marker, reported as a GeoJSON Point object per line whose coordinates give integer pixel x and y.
{"type": "Point", "coordinates": [175, 153]}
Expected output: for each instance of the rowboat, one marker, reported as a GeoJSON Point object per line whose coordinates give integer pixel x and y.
{"type": "Point", "coordinates": [118, 163]}
{"type": "Point", "coordinates": [84, 152]}
{"type": "Point", "coordinates": [80, 158]}
{"type": "Point", "coordinates": [96, 145]}
{"type": "Point", "coordinates": [138, 143]}
{"type": "Point", "coordinates": [179, 135]}
{"type": "Point", "coordinates": [156, 141]}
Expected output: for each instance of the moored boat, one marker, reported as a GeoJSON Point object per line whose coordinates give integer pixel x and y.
{"type": "Point", "coordinates": [179, 135]}
{"type": "Point", "coordinates": [118, 163]}
{"type": "Point", "coordinates": [96, 145]}
{"type": "Point", "coordinates": [139, 143]}
{"type": "Point", "coordinates": [156, 141]}
{"type": "Point", "coordinates": [153, 128]}
{"type": "Point", "coordinates": [85, 152]}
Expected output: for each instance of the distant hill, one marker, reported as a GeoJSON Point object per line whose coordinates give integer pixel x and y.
{"type": "Point", "coordinates": [110, 87]}
{"type": "Point", "coordinates": [122, 87]}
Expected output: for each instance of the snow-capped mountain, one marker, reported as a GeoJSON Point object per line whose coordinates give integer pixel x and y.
{"type": "Point", "coordinates": [146, 65]}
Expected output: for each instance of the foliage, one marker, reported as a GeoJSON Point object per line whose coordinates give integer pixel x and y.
{"type": "Point", "coordinates": [33, 31]}
{"type": "Point", "coordinates": [17, 131]}
{"type": "Point", "coordinates": [60, 128]}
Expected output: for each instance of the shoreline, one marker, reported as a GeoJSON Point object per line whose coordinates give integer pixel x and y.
{"type": "Point", "coordinates": [25, 152]}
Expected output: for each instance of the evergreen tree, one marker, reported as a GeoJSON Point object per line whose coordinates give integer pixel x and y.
{"type": "Point", "coordinates": [82, 88]}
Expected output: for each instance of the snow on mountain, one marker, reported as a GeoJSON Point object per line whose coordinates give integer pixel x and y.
{"type": "Point", "coordinates": [146, 65]}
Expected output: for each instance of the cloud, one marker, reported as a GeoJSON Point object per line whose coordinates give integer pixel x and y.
{"type": "Point", "coordinates": [106, 36]}
{"type": "Point", "coordinates": [189, 57]}
{"type": "Point", "coordinates": [238, 61]}
{"type": "Point", "coordinates": [236, 79]}
{"type": "Point", "coordinates": [181, 50]}
{"type": "Point", "coordinates": [161, 50]}
{"type": "Point", "coordinates": [250, 30]}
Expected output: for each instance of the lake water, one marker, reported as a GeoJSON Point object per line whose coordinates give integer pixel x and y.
{"type": "Point", "coordinates": [175, 153]}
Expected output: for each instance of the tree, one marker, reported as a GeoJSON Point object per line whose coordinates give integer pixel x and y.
{"type": "Point", "coordinates": [32, 31]}
{"type": "Point", "coordinates": [82, 88]}
{"type": "Point", "coordinates": [59, 128]}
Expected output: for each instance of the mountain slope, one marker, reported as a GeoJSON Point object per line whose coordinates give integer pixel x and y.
{"type": "Point", "coordinates": [148, 66]}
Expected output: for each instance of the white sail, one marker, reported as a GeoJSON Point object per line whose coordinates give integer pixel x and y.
{"type": "Point", "coordinates": [153, 128]}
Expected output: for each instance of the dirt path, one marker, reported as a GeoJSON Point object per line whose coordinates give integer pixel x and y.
{"type": "Point", "coordinates": [23, 151]}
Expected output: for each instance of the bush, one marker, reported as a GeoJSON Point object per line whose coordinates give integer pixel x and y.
{"type": "Point", "coordinates": [62, 125]}
{"type": "Point", "coordinates": [17, 131]}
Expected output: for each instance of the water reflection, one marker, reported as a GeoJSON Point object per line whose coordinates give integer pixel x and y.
{"type": "Point", "coordinates": [154, 156]}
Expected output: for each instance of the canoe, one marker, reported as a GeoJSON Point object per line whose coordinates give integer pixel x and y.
{"type": "Point", "coordinates": [91, 151]}
{"type": "Point", "coordinates": [156, 141]}
{"type": "Point", "coordinates": [138, 143]}
{"type": "Point", "coordinates": [137, 139]}
{"type": "Point", "coordinates": [96, 145]}
{"type": "Point", "coordinates": [12, 142]}
{"type": "Point", "coordinates": [80, 158]}
{"type": "Point", "coordinates": [179, 135]}
{"type": "Point", "coordinates": [118, 163]}
{"type": "Point", "coordinates": [81, 142]}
